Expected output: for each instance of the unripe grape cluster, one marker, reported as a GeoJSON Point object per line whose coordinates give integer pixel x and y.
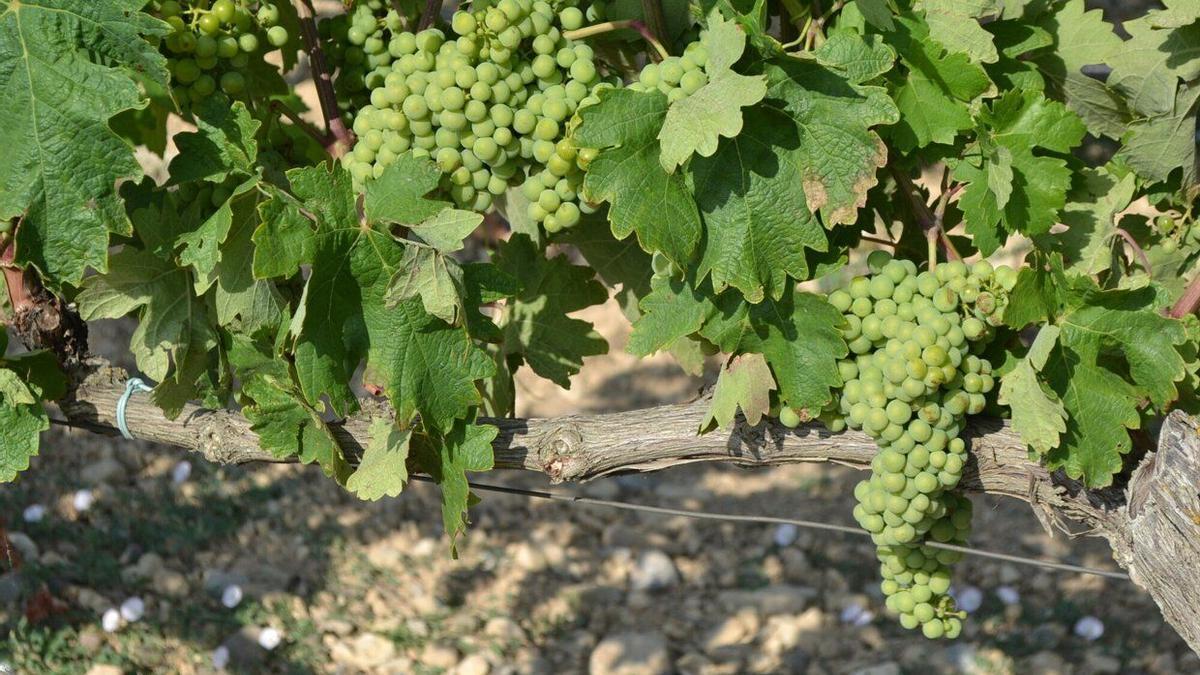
{"type": "Point", "coordinates": [914, 373]}
{"type": "Point", "coordinates": [490, 107]}
{"type": "Point", "coordinates": [676, 76]}
{"type": "Point", "coordinates": [211, 43]}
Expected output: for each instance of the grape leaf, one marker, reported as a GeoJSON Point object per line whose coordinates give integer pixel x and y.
{"type": "Point", "coordinates": [1083, 38]}
{"type": "Point", "coordinates": [399, 195]}
{"type": "Point", "coordinates": [643, 197]}
{"type": "Point", "coordinates": [538, 328]}
{"type": "Point", "coordinates": [222, 145]}
{"type": "Point", "coordinates": [1090, 217]}
{"type": "Point", "coordinates": [423, 364]}
{"type": "Point", "coordinates": [446, 230]}
{"type": "Point", "coordinates": [383, 471]}
{"type": "Point", "coordinates": [672, 310]}
{"type": "Point", "coordinates": [696, 123]}
{"type": "Point", "coordinates": [434, 278]}
{"type": "Point", "coordinates": [830, 112]}
{"type": "Point", "coordinates": [934, 94]}
{"type": "Point", "coordinates": [745, 382]}
{"type": "Point", "coordinates": [859, 58]}
{"type": "Point", "coordinates": [954, 24]}
{"type": "Point", "coordinates": [1158, 145]}
{"type": "Point", "coordinates": [621, 264]}
{"type": "Point", "coordinates": [284, 239]}
{"type": "Point", "coordinates": [1178, 13]}
{"type": "Point", "coordinates": [756, 217]}
{"type": "Point", "coordinates": [1018, 123]}
{"type": "Point", "coordinates": [465, 447]}
{"type": "Point", "coordinates": [21, 425]}
{"type": "Point", "coordinates": [25, 381]}
{"type": "Point", "coordinates": [64, 71]}
{"type": "Point", "coordinates": [244, 303]}
{"type": "Point", "coordinates": [1149, 65]}
{"type": "Point", "coordinates": [1038, 416]}
{"type": "Point", "coordinates": [201, 247]}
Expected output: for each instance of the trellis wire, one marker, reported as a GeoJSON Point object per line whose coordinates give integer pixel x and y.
{"type": "Point", "coordinates": [775, 520]}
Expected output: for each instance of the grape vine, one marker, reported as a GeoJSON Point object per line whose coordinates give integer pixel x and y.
{"type": "Point", "coordinates": [729, 173]}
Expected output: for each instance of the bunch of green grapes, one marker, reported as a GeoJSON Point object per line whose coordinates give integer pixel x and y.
{"type": "Point", "coordinates": [491, 107]}
{"type": "Point", "coordinates": [356, 46]}
{"type": "Point", "coordinates": [1176, 232]}
{"type": "Point", "coordinates": [676, 76]}
{"type": "Point", "coordinates": [211, 43]}
{"type": "Point", "coordinates": [913, 375]}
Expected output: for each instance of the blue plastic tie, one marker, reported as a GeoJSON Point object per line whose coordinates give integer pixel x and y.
{"type": "Point", "coordinates": [134, 384]}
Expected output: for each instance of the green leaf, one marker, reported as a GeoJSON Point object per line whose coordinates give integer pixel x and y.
{"type": "Point", "coordinates": [672, 310]}
{"type": "Point", "coordinates": [423, 364]}
{"type": "Point", "coordinates": [876, 12]}
{"type": "Point", "coordinates": [538, 328]}
{"type": "Point", "coordinates": [1038, 416]}
{"type": "Point", "coordinates": [383, 471]}
{"type": "Point", "coordinates": [446, 230]}
{"type": "Point", "coordinates": [222, 145]}
{"type": "Point", "coordinates": [287, 427]}
{"type": "Point", "coordinates": [466, 447]}
{"type": "Point", "coordinates": [643, 197]}
{"type": "Point", "coordinates": [1177, 14]}
{"type": "Point", "coordinates": [954, 24]}
{"type": "Point", "coordinates": [1090, 217]}
{"type": "Point", "coordinates": [756, 216]}
{"type": "Point", "coordinates": [1015, 126]}
{"type": "Point", "coordinates": [1083, 38]}
{"type": "Point", "coordinates": [399, 195]}
{"type": "Point", "coordinates": [830, 112]}
{"type": "Point", "coordinates": [14, 391]}
{"type": "Point", "coordinates": [65, 71]}
{"type": "Point", "coordinates": [696, 123]}
{"type": "Point", "coordinates": [434, 278]}
{"type": "Point", "coordinates": [284, 240]}
{"type": "Point", "coordinates": [745, 382]}
{"type": "Point", "coordinates": [20, 427]}
{"type": "Point", "coordinates": [244, 303]}
{"type": "Point", "coordinates": [202, 246]}
{"type": "Point", "coordinates": [1149, 65]}
{"type": "Point", "coordinates": [933, 96]}
{"type": "Point", "coordinates": [40, 372]}
{"type": "Point", "coordinates": [1156, 146]}
{"type": "Point", "coordinates": [859, 58]}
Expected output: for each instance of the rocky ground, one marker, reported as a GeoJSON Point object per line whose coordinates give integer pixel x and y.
{"type": "Point", "coordinates": [332, 585]}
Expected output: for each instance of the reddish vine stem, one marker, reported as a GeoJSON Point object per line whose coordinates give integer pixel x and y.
{"type": "Point", "coordinates": [1137, 250]}
{"type": "Point", "coordinates": [433, 8]}
{"type": "Point", "coordinates": [303, 125]}
{"type": "Point", "coordinates": [341, 138]}
{"type": "Point", "coordinates": [40, 318]}
{"type": "Point", "coordinates": [655, 23]}
{"type": "Point", "coordinates": [931, 223]}
{"type": "Point", "coordinates": [1189, 301]}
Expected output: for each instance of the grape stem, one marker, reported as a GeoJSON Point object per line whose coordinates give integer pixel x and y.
{"type": "Point", "coordinates": [433, 8]}
{"type": "Point", "coordinates": [931, 221]}
{"type": "Point", "coordinates": [1188, 302]}
{"type": "Point", "coordinates": [877, 240]}
{"type": "Point", "coordinates": [340, 138]}
{"type": "Point", "coordinates": [19, 297]}
{"type": "Point", "coordinates": [609, 26]}
{"type": "Point", "coordinates": [281, 108]}
{"type": "Point", "coordinates": [1137, 250]}
{"type": "Point", "coordinates": [655, 25]}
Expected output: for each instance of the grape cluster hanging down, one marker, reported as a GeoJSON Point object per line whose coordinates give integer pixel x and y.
{"type": "Point", "coordinates": [913, 375]}
{"type": "Point", "coordinates": [211, 44]}
{"type": "Point", "coordinates": [491, 107]}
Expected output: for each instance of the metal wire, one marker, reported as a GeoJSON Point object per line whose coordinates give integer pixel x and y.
{"type": "Point", "coordinates": [808, 524]}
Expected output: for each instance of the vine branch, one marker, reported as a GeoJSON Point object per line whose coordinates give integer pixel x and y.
{"type": "Point", "coordinates": [660, 52]}
{"type": "Point", "coordinates": [432, 9]}
{"type": "Point", "coordinates": [931, 221]}
{"type": "Point", "coordinates": [1189, 301]}
{"type": "Point", "coordinates": [341, 139]}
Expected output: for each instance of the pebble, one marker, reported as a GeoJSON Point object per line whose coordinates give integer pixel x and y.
{"type": "Point", "coordinates": [1095, 663]}
{"type": "Point", "coordinates": [269, 638]}
{"type": "Point", "coordinates": [886, 668]}
{"type": "Point", "coordinates": [504, 629]}
{"type": "Point", "coordinates": [82, 500]}
{"type": "Point", "coordinates": [133, 609]}
{"type": "Point", "coordinates": [856, 614]}
{"type": "Point", "coordinates": [24, 546]}
{"type": "Point", "coordinates": [147, 567]}
{"type": "Point", "coordinates": [1089, 628]}
{"type": "Point", "coordinates": [34, 513]}
{"type": "Point", "coordinates": [968, 599]}
{"type": "Point", "coordinates": [181, 472]}
{"type": "Point", "coordinates": [774, 599]}
{"type": "Point", "coordinates": [170, 583]}
{"type": "Point", "coordinates": [643, 653]}
{"type": "Point", "coordinates": [104, 669]}
{"type": "Point", "coordinates": [734, 630]}
{"type": "Point", "coordinates": [364, 652]}
{"type": "Point", "coordinates": [232, 596]}
{"type": "Point", "coordinates": [785, 535]}
{"type": "Point", "coordinates": [653, 571]}
{"type": "Point", "coordinates": [474, 664]}
{"type": "Point", "coordinates": [111, 620]}
{"type": "Point", "coordinates": [101, 471]}
{"type": "Point", "coordinates": [439, 656]}
{"type": "Point", "coordinates": [1008, 595]}
{"type": "Point", "coordinates": [220, 657]}
{"type": "Point", "coordinates": [1046, 663]}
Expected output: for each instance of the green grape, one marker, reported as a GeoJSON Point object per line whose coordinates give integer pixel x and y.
{"type": "Point", "coordinates": [571, 18]}
{"type": "Point", "coordinates": [233, 83]}
{"type": "Point", "coordinates": [209, 24]}
{"type": "Point", "coordinates": [223, 10]}
{"type": "Point", "coordinates": [277, 36]}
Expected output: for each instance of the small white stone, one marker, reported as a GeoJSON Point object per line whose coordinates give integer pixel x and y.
{"type": "Point", "coordinates": [856, 615]}
{"type": "Point", "coordinates": [1089, 628]}
{"type": "Point", "coordinates": [83, 500]}
{"type": "Point", "coordinates": [1008, 595]}
{"type": "Point", "coordinates": [220, 657]}
{"type": "Point", "coordinates": [232, 596]}
{"type": "Point", "coordinates": [34, 513]}
{"type": "Point", "coordinates": [111, 620]}
{"type": "Point", "coordinates": [133, 609]}
{"type": "Point", "coordinates": [269, 638]}
{"type": "Point", "coordinates": [969, 598]}
{"type": "Point", "coordinates": [785, 535]}
{"type": "Point", "coordinates": [181, 472]}
{"type": "Point", "coordinates": [6, 668]}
